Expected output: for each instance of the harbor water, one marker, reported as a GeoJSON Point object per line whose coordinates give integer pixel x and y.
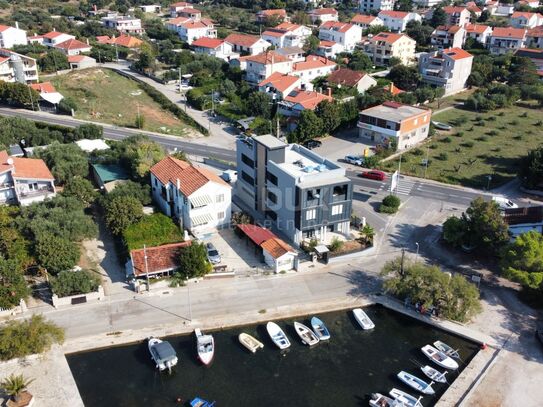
{"type": "Point", "coordinates": [341, 372]}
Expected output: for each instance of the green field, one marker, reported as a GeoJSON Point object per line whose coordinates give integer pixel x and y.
{"type": "Point", "coordinates": [107, 97]}
{"type": "Point", "coordinates": [478, 146]}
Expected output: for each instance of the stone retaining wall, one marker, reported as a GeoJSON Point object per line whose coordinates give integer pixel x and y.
{"type": "Point", "coordinates": [79, 298]}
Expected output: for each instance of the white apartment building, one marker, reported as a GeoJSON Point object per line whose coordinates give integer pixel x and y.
{"type": "Point", "coordinates": [17, 68]}
{"type": "Point", "coordinates": [10, 36]}
{"type": "Point", "coordinates": [448, 37]}
{"type": "Point", "coordinates": [323, 15]}
{"type": "Point", "coordinates": [312, 68]}
{"type": "Point", "coordinates": [383, 46]}
{"type": "Point", "coordinates": [261, 66]}
{"type": "Point", "coordinates": [506, 39]}
{"type": "Point", "coordinates": [214, 47]}
{"type": "Point", "coordinates": [448, 69]}
{"type": "Point", "coordinates": [365, 6]}
{"type": "Point", "coordinates": [177, 7]}
{"type": "Point", "coordinates": [396, 21]}
{"type": "Point", "coordinates": [457, 15]}
{"type": "Point", "coordinates": [190, 30]}
{"type": "Point", "coordinates": [51, 39]}
{"type": "Point", "coordinates": [478, 32]}
{"type": "Point", "coordinates": [366, 21]}
{"type": "Point", "coordinates": [345, 34]}
{"type": "Point", "coordinates": [426, 3]}
{"type": "Point", "coordinates": [124, 24]}
{"type": "Point", "coordinates": [197, 197]}
{"type": "Point", "coordinates": [279, 85]}
{"type": "Point", "coordinates": [520, 19]}
{"type": "Point", "coordinates": [287, 35]}
{"type": "Point", "coordinates": [247, 44]}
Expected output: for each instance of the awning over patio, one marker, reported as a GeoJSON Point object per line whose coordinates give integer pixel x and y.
{"type": "Point", "coordinates": [202, 219]}
{"type": "Point", "coordinates": [200, 200]}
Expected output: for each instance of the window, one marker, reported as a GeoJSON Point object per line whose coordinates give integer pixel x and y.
{"type": "Point", "coordinates": [272, 197]}
{"type": "Point", "coordinates": [247, 161]}
{"type": "Point", "coordinates": [272, 178]}
{"type": "Point", "coordinates": [220, 215]}
{"type": "Point", "coordinates": [337, 210]}
{"type": "Point", "coordinates": [311, 214]}
{"type": "Point", "coordinates": [219, 198]}
{"type": "Point", "coordinates": [155, 182]}
{"type": "Point", "coordinates": [247, 178]}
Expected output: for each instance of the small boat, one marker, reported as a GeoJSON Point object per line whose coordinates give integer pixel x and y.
{"type": "Point", "coordinates": [405, 399]}
{"type": "Point", "coordinates": [320, 329]}
{"type": "Point", "coordinates": [162, 353]}
{"type": "Point", "coordinates": [307, 336]}
{"type": "Point", "coordinates": [277, 335]}
{"type": "Point", "coordinates": [434, 374]}
{"type": "Point", "coordinates": [205, 346]}
{"type": "Point", "coordinates": [380, 400]}
{"type": "Point", "coordinates": [446, 349]}
{"type": "Point", "coordinates": [439, 358]}
{"type": "Point", "coordinates": [416, 383]}
{"type": "Point", "coordinates": [199, 402]}
{"type": "Point", "coordinates": [363, 319]}
{"type": "Point", "coordinates": [250, 342]}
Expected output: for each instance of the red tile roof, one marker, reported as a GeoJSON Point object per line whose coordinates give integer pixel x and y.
{"type": "Point", "coordinates": [25, 168]}
{"type": "Point", "coordinates": [273, 12]}
{"type": "Point", "coordinates": [453, 9]}
{"type": "Point", "coordinates": [362, 19]}
{"type": "Point", "coordinates": [180, 4]}
{"type": "Point", "coordinates": [387, 37]}
{"type": "Point", "coordinates": [337, 26]}
{"type": "Point", "coordinates": [256, 233]}
{"type": "Point", "coordinates": [448, 28]}
{"type": "Point", "coordinates": [205, 42]}
{"type": "Point", "coordinates": [266, 58]}
{"type": "Point", "coordinates": [476, 28]}
{"type": "Point", "coordinates": [509, 32]}
{"type": "Point", "coordinates": [103, 39]}
{"type": "Point", "coordinates": [525, 14]}
{"type": "Point", "coordinates": [313, 62]}
{"type": "Point", "coordinates": [76, 58]}
{"type": "Point", "coordinates": [178, 20]}
{"type": "Point", "coordinates": [457, 53]}
{"type": "Point", "coordinates": [280, 81]}
{"type": "Point", "coordinates": [72, 44]}
{"type": "Point", "coordinates": [45, 87]}
{"type": "Point", "coordinates": [346, 77]}
{"type": "Point", "coordinates": [324, 43]}
{"type": "Point", "coordinates": [307, 99]}
{"type": "Point", "coordinates": [3, 59]}
{"type": "Point", "coordinates": [125, 40]}
{"type": "Point", "coordinates": [323, 11]}
{"type": "Point", "coordinates": [159, 259]}
{"type": "Point", "coordinates": [52, 34]}
{"type": "Point", "coordinates": [4, 28]}
{"type": "Point", "coordinates": [276, 247]}
{"type": "Point", "coordinates": [286, 26]}
{"type": "Point", "coordinates": [536, 32]}
{"type": "Point", "coordinates": [242, 40]}
{"type": "Point", "coordinates": [394, 14]}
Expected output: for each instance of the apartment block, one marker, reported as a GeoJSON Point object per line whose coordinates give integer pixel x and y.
{"type": "Point", "coordinates": [365, 6]}
{"type": "Point", "coordinates": [10, 36]}
{"type": "Point", "coordinates": [366, 21]}
{"type": "Point", "coordinates": [478, 32]}
{"type": "Point", "coordinates": [396, 21]}
{"type": "Point", "coordinates": [457, 15]}
{"type": "Point", "coordinates": [323, 15]}
{"type": "Point", "coordinates": [287, 35]}
{"type": "Point", "coordinates": [383, 46]}
{"type": "Point", "coordinates": [17, 68]}
{"type": "Point", "coordinates": [261, 66]}
{"type": "Point", "coordinates": [506, 39]}
{"type": "Point", "coordinates": [124, 24]}
{"type": "Point", "coordinates": [189, 30]}
{"type": "Point", "coordinates": [448, 69]}
{"type": "Point", "coordinates": [344, 34]}
{"type": "Point", "coordinates": [448, 37]}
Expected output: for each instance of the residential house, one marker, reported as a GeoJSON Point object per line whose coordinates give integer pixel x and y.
{"type": "Point", "coordinates": [396, 21]}
{"type": "Point", "coordinates": [287, 35]}
{"type": "Point", "coordinates": [426, 3]}
{"type": "Point", "coordinates": [445, 36]}
{"type": "Point", "coordinates": [51, 39]}
{"type": "Point", "coordinates": [123, 24]}
{"type": "Point", "coordinates": [478, 32]}
{"type": "Point", "coordinates": [261, 66]}
{"type": "Point", "coordinates": [73, 47]}
{"type": "Point", "coordinates": [323, 15]}
{"type": "Point", "coordinates": [345, 34]}
{"type": "Point", "coordinates": [534, 37]}
{"type": "Point", "coordinates": [279, 85]}
{"type": "Point", "coordinates": [49, 97]}
{"type": "Point", "coordinates": [296, 191]}
{"type": "Point", "coordinates": [175, 7]}
{"type": "Point", "coordinates": [81, 62]}
{"type": "Point", "coordinates": [448, 69]}
{"type": "Point", "coordinates": [247, 44]}
{"type": "Point", "coordinates": [190, 30]}
{"type": "Point", "coordinates": [366, 21]}
{"type": "Point", "coordinates": [535, 55]}
{"type": "Point", "coordinates": [279, 15]}
{"type": "Point", "coordinates": [528, 3]}
{"type": "Point", "coordinates": [394, 122]}
{"type": "Point", "coordinates": [365, 6]}
{"type": "Point", "coordinates": [214, 47]}
{"type": "Point", "coordinates": [10, 36]}
{"type": "Point", "coordinates": [195, 196]}
{"type": "Point", "coordinates": [520, 19]}
{"type": "Point", "coordinates": [123, 40]}
{"type": "Point", "coordinates": [524, 220]}
{"type": "Point", "coordinates": [473, 8]}
{"type": "Point", "coordinates": [312, 68]}
{"type": "Point", "coordinates": [299, 100]}
{"type": "Point", "coordinates": [383, 46]}
{"type": "Point", "coordinates": [187, 12]}
{"type": "Point", "coordinates": [506, 39]}
{"type": "Point", "coordinates": [345, 77]}
{"type": "Point", "coordinates": [457, 15]}
{"type": "Point", "coordinates": [155, 261]}
{"type": "Point", "coordinates": [150, 8]}
{"type": "Point", "coordinates": [295, 54]}
{"type": "Point", "coordinates": [504, 9]}
{"type": "Point", "coordinates": [15, 67]}
{"type": "Point", "coordinates": [328, 49]}
{"type": "Point", "coordinates": [24, 180]}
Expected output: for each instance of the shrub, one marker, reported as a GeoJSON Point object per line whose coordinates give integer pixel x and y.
{"type": "Point", "coordinates": [74, 282]}
{"type": "Point", "coordinates": [443, 157]}
{"type": "Point", "coordinates": [470, 129]}
{"type": "Point", "coordinates": [152, 230]}
{"type": "Point", "coordinates": [459, 134]}
{"type": "Point", "coordinates": [446, 140]}
{"type": "Point", "coordinates": [491, 118]}
{"type": "Point", "coordinates": [193, 261]}
{"type": "Point", "coordinates": [482, 138]}
{"type": "Point", "coordinates": [433, 146]}
{"type": "Point", "coordinates": [56, 254]}
{"type": "Point", "coordinates": [514, 122]}
{"type": "Point", "coordinates": [387, 209]}
{"type": "Point", "coordinates": [468, 144]}
{"type": "Point", "coordinates": [501, 114]}
{"type": "Point", "coordinates": [525, 114]}
{"type": "Point", "coordinates": [457, 150]}
{"type": "Point", "coordinates": [517, 137]}
{"type": "Point", "coordinates": [493, 133]}
{"type": "Point", "coordinates": [480, 124]}
{"type": "Point", "coordinates": [336, 244]}
{"type": "Point", "coordinates": [390, 204]}
{"type": "Point", "coordinates": [417, 152]}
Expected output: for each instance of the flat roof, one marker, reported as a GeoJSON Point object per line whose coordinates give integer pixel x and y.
{"type": "Point", "coordinates": [270, 141]}
{"type": "Point", "coordinates": [299, 162]}
{"type": "Point", "coordinates": [393, 111]}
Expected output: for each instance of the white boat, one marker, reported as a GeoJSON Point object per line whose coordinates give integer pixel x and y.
{"type": "Point", "coordinates": [439, 358]}
{"type": "Point", "coordinates": [162, 353]}
{"type": "Point", "coordinates": [363, 319]}
{"type": "Point", "coordinates": [205, 346]}
{"type": "Point", "coordinates": [380, 400]}
{"type": "Point", "coordinates": [277, 335]}
{"type": "Point", "coordinates": [416, 383]}
{"type": "Point", "coordinates": [446, 349]}
{"type": "Point", "coordinates": [307, 336]}
{"type": "Point", "coordinates": [434, 374]}
{"type": "Point", "coordinates": [320, 329]}
{"type": "Point", "coordinates": [250, 342]}
{"type": "Point", "coordinates": [406, 399]}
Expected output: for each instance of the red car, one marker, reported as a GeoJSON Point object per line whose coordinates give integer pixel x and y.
{"type": "Point", "coordinates": [374, 174]}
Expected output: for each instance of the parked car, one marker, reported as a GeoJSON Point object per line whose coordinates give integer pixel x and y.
{"type": "Point", "coordinates": [213, 254]}
{"type": "Point", "coordinates": [354, 160]}
{"type": "Point", "coordinates": [229, 176]}
{"type": "Point", "coordinates": [311, 144]}
{"type": "Point", "coordinates": [504, 203]}
{"type": "Point", "coordinates": [442, 126]}
{"type": "Point", "coordinates": [374, 174]}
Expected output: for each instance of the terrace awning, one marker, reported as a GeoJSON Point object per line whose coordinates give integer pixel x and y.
{"type": "Point", "coordinates": [198, 220]}
{"type": "Point", "coordinates": [200, 200]}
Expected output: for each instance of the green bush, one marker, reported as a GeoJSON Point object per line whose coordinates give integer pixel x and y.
{"type": "Point", "coordinates": [74, 282]}
{"type": "Point", "coordinates": [433, 146]}
{"type": "Point", "coordinates": [468, 144]}
{"type": "Point", "coordinates": [514, 122]}
{"type": "Point", "coordinates": [446, 140]}
{"type": "Point", "coordinates": [491, 118]}
{"type": "Point", "coordinates": [493, 133]}
{"type": "Point", "coordinates": [482, 138]}
{"type": "Point", "coordinates": [501, 114]}
{"type": "Point", "coordinates": [152, 230]}
{"type": "Point", "coordinates": [390, 204]}
{"type": "Point", "coordinates": [443, 156]}
{"type": "Point", "coordinates": [459, 134]}
{"type": "Point", "coordinates": [336, 244]}
{"type": "Point", "coordinates": [417, 152]}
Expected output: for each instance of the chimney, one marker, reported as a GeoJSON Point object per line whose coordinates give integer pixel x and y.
{"type": "Point", "coordinates": [95, 8]}
{"type": "Point", "coordinates": [88, 41]}
{"type": "Point", "coordinates": [329, 92]}
{"type": "Point", "coordinates": [54, 29]}
{"type": "Point", "coordinates": [16, 24]}
{"type": "Point", "coordinates": [178, 184]}
{"type": "Point", "coordinates": [391, 87]}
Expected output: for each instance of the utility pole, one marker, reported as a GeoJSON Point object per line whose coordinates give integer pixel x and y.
{"type": "Point", "coordinates": [401, 266]}
{"type": "Point", "coordinates": [427, 157]}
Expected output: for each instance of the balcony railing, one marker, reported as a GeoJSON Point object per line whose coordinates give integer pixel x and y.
{"type": "Point", "coordinates": [36, 192]}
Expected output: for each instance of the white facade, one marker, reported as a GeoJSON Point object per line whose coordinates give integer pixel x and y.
{"type": "Point", "coordinates": [427, 3]}
{"type": "Point", "coordinates": [123, 24]}
{"type": "Point", "coordinates": [323, 15]}
{"type": "Point", "coordinates": [286, 262]}
{"type": "Point", "coordinates": [344, 34]}
{"type": "Point", "coordinates": [448, 69]}
{"type": "Point", "coordinates": [526, 20]}
{"type": "Point", "coordinates": [190, 30]}
{"type": "Point", "coordinates": [17, 68]}
{"type": "Point", "coordinates": [291, 35]}
{"type": "Point", "coordinates": [223, 51]}
{"type": "Point", "coordinates": [312, 68]}
{"type": "Point", "coordinates": [257, 68]}
{"type": "Point", "coordinates": [10, 36]}
{"type": "Point", "coordinates": [54, 38]}
{"type": "Point", "coordinates": [504, 40]}
{"type": "Point", "coordinates": [366, 6]}
{"type": "Point", "coordinates": [448, 37]}
{"type": "Point", "coordinates": [480, 33]}
{"type": "Point", "coordinates": [247, 44]}
{"type": "Point", "coordinates": [396, 21]}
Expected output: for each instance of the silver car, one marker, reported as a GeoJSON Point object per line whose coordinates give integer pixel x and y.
{"type": "Point", "coordinates": [352, 159]}
{"type": "Point", "coordinates": [213, 254]}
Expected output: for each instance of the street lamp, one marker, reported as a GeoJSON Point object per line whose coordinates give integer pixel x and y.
{"type": "Point", "coordinates": [417, 256]}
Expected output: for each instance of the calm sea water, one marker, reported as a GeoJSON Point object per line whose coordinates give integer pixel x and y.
{"type": "Point", "coordinates": [342, 372]}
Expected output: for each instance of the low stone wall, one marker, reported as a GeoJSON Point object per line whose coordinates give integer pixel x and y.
{"type": "Point", "coordinates": [350, 256]}
{"type": "Point", "coordinates": [9, 312]}
{"type": "Point", "coordinates": [79, 298]}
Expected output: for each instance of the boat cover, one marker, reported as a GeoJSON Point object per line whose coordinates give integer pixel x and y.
{"type": "Point", "coordinates": [164, 352]}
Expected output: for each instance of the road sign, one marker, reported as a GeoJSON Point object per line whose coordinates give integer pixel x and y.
{"type": "Point", "coordinates": [394, 181]}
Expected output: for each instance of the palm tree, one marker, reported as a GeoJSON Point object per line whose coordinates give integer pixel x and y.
{"type": "Point", "coordinates": [367, 233]}
{"type": "Point", "coordinates": [14, 385]}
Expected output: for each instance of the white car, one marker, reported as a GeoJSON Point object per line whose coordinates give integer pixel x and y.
{"type": "Point", "coordinates": [354, 160]}
{"type": "Point", "coordinates": [504, 203]}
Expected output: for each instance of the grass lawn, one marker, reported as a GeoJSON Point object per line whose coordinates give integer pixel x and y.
{"type": "Point", "coordinates": [107, 97]}
{"type": "Point", "coordinates": [479, 145]}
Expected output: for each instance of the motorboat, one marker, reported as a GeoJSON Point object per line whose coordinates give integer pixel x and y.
{"type": "Point", "coordinates": [199, 402]}
{"type": "Point", "coordinates": [320, 329]}
{"type": "Point", "coordinates": [205, 346]}
{"type": "Point", "coordinates": [162, 353]}
{"type": "Point", "coordinates": [250, 342]}
{"type": "Point", "coordinates": [307, 336]}
{"type": "Point", "coordinates": [439, 358]}
{"type": "Point", "coordinates": [434, 374]}
{"type": "Point", "coordinates": [277, 335]}
{"type": "Point", "coordinates": [380, 400]}
{"type": "Point", "coordinates": [405, 399]}
{"type": "Point", "coordinates": [363, 319]}
{"type": "Point", "coordinates": [416, 383]}
{"type": "Point", "coordinates": [446, 349]}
